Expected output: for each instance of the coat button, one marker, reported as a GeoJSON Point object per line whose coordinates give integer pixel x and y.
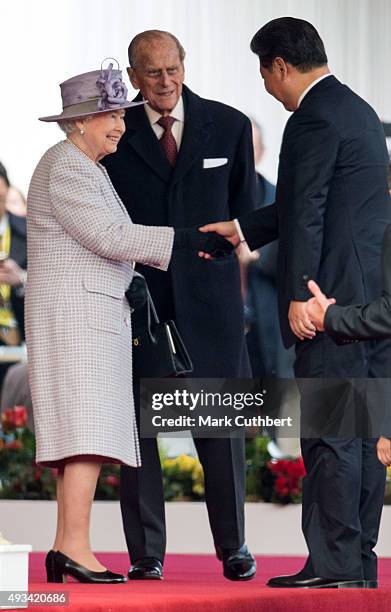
{"type": "Point", "coordinates": [305, 279]}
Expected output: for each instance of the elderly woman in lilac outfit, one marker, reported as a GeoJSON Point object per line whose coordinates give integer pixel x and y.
{"type": "Point", "coordinates": [81, 249]}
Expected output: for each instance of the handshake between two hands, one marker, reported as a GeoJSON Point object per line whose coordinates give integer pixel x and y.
{"type": "Point", "coordinates": [210, 241]}
{"type": "Point", "coordinates": [219, 239]}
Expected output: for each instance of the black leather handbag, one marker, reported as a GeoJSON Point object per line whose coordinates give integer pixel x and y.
{"type": "Point", "coordinates": [158, 349]}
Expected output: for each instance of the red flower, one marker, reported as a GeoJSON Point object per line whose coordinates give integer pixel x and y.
{"type": "Point", "coordinates": [14, 445]}
{"type": "Point", "coordinates": [281, 484]}
{"type": "Point", "coordinates": [20, 416]}
{"type": "Point", "coordinates": [112, 481]}
{"type": "Point", "coordinates": [288, 473]}
{"type": "Point", "coordinates": [14, 417]}
{"type": "Point", "coordinates": [7, 419]}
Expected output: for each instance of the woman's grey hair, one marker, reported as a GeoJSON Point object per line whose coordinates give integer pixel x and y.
{"type": "Point", "coordinates": [67, 125]}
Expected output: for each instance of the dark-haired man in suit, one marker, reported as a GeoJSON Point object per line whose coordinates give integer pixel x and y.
{"type": "Point", "coordinates": [330, 212]}
{"type": "Point", "coordinates": [185, 161]}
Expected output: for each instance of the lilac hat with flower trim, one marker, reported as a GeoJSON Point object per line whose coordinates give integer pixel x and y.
{"type": "Point", "coordinates": [93, 92]}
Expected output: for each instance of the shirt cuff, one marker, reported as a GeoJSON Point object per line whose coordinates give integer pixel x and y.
{"type": "Point", "coordinates": [239, 230]}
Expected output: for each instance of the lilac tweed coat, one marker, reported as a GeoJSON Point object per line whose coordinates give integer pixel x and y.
{"type": "Point", "coordinates": [81, 247]}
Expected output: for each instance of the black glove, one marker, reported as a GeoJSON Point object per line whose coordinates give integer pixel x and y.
{"type": "Point", "coordinates": [137, 292]}
{"type": "Point", "coordinates": [194, 240]}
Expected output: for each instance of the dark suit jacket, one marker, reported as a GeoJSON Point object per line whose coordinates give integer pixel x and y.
{"type": "Point", "coordinates": [203, 297]}
{"type": "Point", "coordinates": [347, 324]}
{"type": "Point", "coordinates": [18, 252]}
{"type": "Point", "coordinates": [267, 263]}
{"type": "Point", "coordinates": [332, 202]}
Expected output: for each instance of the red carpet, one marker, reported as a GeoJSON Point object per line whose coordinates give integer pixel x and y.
{"type": "Point", "coordinates": [195, 582]}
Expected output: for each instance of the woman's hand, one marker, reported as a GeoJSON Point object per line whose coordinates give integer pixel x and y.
{"type": "Point", "coordinates": [384, 450]}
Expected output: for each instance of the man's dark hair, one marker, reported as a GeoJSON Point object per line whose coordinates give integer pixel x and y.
{"type": "Point", "coordinates": [149, 36]}
{"type": "Point", "coordinates": [295, 40]}
{"type": "Point", "coordinates": [4, 175]}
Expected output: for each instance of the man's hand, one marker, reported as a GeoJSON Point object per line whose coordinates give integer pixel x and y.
{"type": "Point", "coordinates": [211, 243]}
{"type": "Point", "coordinates": [384, 450]}
{"type": "Point", "coordinates": [227, 229]}
{"type": "Point", "coordinates": [299, 321]}
{"type": "Point", "coordinates": [11, 273]}
{"type": "Point", "coordinates": [317, 306]}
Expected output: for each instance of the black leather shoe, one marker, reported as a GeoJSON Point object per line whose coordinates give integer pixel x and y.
{"type": "Point", "coordinates": [49, 564]}
{"type": "Point", "coordinates": [146, 568]}
{"type": "Point", "coordinates": [238, 563]}
{"type": "Point", "coordinates": [303, 581]}
{"type": "Point", "coordinates": [63, 566]}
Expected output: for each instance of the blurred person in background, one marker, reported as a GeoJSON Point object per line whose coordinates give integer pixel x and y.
{"type": "Point", "coordinates": [268, 356]}
{"type": "Point", "coordinates": [16, 202]}
{"type": "Point", "coordinates": [13, 264]}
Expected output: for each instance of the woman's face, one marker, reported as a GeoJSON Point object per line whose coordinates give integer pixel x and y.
{"type": "Point", "coordinates": [102, 133]}
{"type": "Point", "coordinates": [3, 195]}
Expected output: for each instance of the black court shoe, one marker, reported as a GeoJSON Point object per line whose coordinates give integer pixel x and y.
{"type": "Point", "coordinates": [49, 564]}
{"type": "Point", "coordinates": [63, 566]}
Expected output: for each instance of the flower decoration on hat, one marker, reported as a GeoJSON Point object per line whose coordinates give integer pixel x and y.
{"type": "Point", "coordinates": [111, 88]}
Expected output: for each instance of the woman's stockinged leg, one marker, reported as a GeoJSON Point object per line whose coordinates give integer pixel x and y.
{"type": "Point", "coordinates": [60, 510]}
{"type": "Point", "coordinates": [78, 489]}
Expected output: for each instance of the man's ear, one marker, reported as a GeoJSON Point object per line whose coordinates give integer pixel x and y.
{"type": "Point", "coordinates": [280, 67]}
{"type": "Point", "coordinates": [133, 77]}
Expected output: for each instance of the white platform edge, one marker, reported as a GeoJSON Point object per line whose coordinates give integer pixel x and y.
{"type": "Point", "coordinates": [270, 529]}
{"type": "Point", "coordinates": [15, 548]}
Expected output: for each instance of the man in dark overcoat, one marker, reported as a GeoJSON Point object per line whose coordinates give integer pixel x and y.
{"type": "Point", "coordinates": [185, 161]}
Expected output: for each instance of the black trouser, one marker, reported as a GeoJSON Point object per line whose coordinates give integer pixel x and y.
{"type": "Point", "coordinates": [142, 499]}
{"type": "Point", "coordinates": [343, 491]}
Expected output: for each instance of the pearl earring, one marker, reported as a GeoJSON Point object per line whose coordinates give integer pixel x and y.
{"type": "Point", "coordinates": [82, 131]}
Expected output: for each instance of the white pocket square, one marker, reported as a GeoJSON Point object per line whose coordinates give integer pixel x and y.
{"type": "Point", "coordinates": [214, 162]}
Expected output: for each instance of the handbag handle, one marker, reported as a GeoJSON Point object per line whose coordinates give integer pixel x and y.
{"type": "Point", "coordinates": [151, 315]}
{"type": "Point", "coordinates": [151, 310]}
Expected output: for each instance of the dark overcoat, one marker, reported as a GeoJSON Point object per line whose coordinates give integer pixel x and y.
{"type": "Point", "coordinates": [213, 180]}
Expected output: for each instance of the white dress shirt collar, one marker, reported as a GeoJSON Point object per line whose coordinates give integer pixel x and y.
{"type": "Point", "coordinates": [311, 85]}
{"type": "Point", "coordinates": [178, 112]}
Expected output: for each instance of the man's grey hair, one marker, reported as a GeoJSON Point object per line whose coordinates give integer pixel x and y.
{"type": "Point", "coordinates": [147, 37]}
